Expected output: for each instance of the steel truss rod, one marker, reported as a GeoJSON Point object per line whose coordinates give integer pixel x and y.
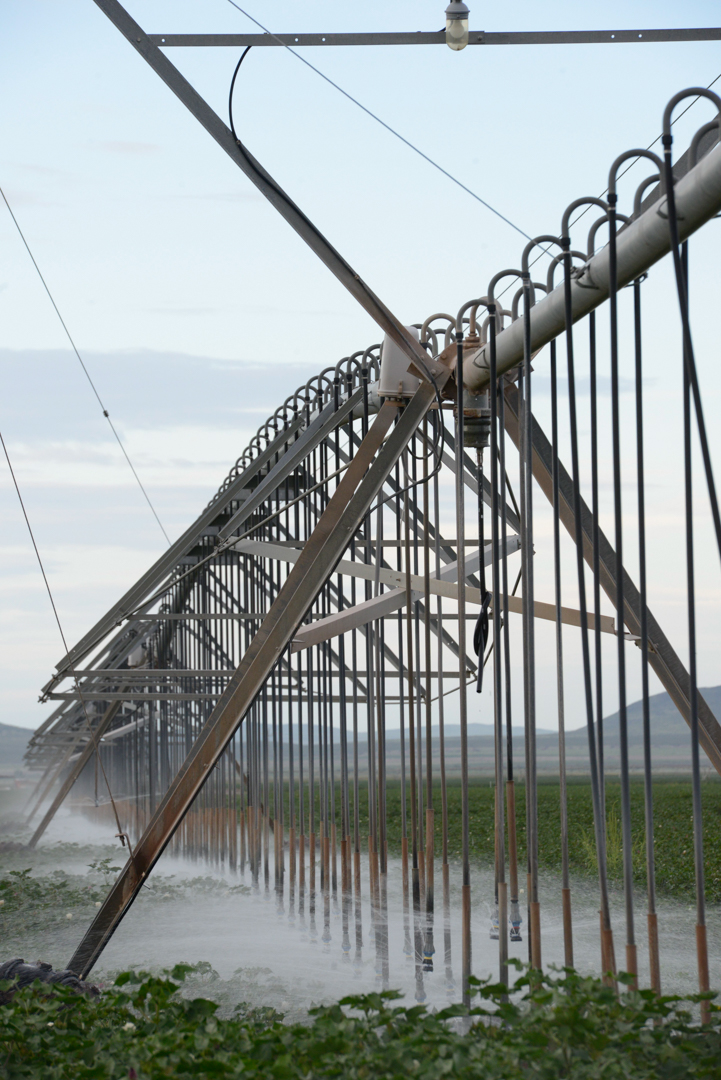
{"type": "Point", "coordinates": [197, 616]}
{"type": "Point", "coordinates": [446, 552]}
{"type": "Point", "coordinates": [442, 586]}
{"type": "Point", "coordinates": [298, 450]}
{"type": "Point", "coordinates": [424, 37]}
{"type": "Point", "coordinates": [661, 655]}
{"type": "Point", "coordinates": [640, 244]}
{"type": "Point", "coordinates": [169, 560]}
{"type": "Point", "coordinates": [181, 596]}
{"type": "Point", "coordinates": [342, 517]}
{"type": "Point", "coordinates": [132, 698]}
{"type": "Point", "coordinates": [361, 614]}
{"type": "Point", "coordinates": [328, 419]}
{"type": "Point", "coordinates": [379, 607]}
{"type": "Point", "coordinates": [73, 737]}
{"type": "Point", "coordinates": [472, 483]}
{"type": "Point", "coordinates": [153, 674]}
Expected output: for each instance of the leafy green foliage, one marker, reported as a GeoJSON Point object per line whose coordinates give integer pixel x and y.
{"type": "Point", "coordinates": [557, 1025]}
{"type": "Point", "coordinates": [673, 829]}
{"type": "Point", "coordinates": [39, 910]}
{"type": "Point", "coordinates": [35, 898]}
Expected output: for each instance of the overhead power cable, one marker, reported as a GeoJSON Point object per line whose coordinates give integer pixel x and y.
{"type": "Point", "coordinates": [378, 120]}
{"type": "Point", "coordinates": [74, 347]}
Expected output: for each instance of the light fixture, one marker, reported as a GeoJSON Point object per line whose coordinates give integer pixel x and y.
{"type": "Point", "coordinates": [456, 25]}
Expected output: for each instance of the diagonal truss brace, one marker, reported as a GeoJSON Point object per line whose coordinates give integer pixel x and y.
{"type": "Point", "coordinates": [342, 517]}
{"type": "Point", "coordinates": [265, 183]}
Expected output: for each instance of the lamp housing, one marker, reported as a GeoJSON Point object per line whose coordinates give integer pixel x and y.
{"type": "Point", "coordinates": [457, 25]}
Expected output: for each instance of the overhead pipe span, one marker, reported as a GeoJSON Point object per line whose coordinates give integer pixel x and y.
{"type": "Point", "coordinates": [639, 246]}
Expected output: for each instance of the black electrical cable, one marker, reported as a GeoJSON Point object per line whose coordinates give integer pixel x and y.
{"type": "Point", "coordinates": [645, 704]}
{"type": "Point", "coordinates": [627, 853]}
{"type": "Point", "coordinates": [480, 633]}
{"type": "Point", "coordinates": [688, 350]}
{"type": "Point", "coordinates": [266, 181]}
{"type": "Point", "coordinates": [437, 446]}
{"type": "Point", "coordinates": [607, 939]}
{"type": "Point", "coordinates": [74, 347]}
{"type": "Point", "coordinates": [378, 120]}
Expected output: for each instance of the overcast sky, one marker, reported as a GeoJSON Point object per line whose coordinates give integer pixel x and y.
{"type": "Point", "coordinates": [198, 310]}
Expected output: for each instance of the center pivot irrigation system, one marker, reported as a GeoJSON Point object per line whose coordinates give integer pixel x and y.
{"type": "Point", "coordinates": [236, 699]}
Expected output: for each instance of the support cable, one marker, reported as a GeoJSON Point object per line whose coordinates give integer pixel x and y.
{"type": "Point", "coordinates": [74, 347]}
{"type": "Point", "coordinates": [378, 120]}
{"type": "Point", "coordinates": [681, 286]}
{"type": "Point", "coordinates": [122, 836]}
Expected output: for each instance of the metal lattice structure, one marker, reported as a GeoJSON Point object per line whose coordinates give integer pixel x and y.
{"type": "Point", "coordinates": [236, 703]}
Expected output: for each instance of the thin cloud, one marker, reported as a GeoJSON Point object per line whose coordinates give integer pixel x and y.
{"type": "Point", "coordinates": [225, 196]}
{"type": "Point", "coordinates": [118, 146]}
{"type": "Point", "coordinates": [182, 310]}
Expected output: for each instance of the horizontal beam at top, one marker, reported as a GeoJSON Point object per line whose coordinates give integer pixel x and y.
{"type": "Point", "coordinates": [189, 616]}
{"type": "Point", "coordinates": [148, 674]}
{"type": "Point", "coordinates": [361, 699]}
{"type": "Point", "coordinates": [421, 37]}
{"type": "Point", "coordinates": [225, 673]}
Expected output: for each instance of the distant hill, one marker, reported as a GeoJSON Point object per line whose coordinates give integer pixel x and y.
{"type": "Point", "coordinates": [666, 720]}
{"type": "Point", "coordinates": [671, 744]}
{"type": "Point", "coordinates": [450, 731]}
{"type": "Point", "coordinates": [13, 743]}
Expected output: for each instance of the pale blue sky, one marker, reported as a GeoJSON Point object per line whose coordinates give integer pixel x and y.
{"type": "Point", "coordinates": [198, 309]}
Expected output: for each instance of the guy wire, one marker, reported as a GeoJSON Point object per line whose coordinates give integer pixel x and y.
{"type": "Point", "coordinates": [74, 347]}
{"type": "Point", "coordinates": [122, 836]}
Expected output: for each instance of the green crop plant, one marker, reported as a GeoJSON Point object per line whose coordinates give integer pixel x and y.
{"type": "Point", "coordinates": [556, 1024]}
